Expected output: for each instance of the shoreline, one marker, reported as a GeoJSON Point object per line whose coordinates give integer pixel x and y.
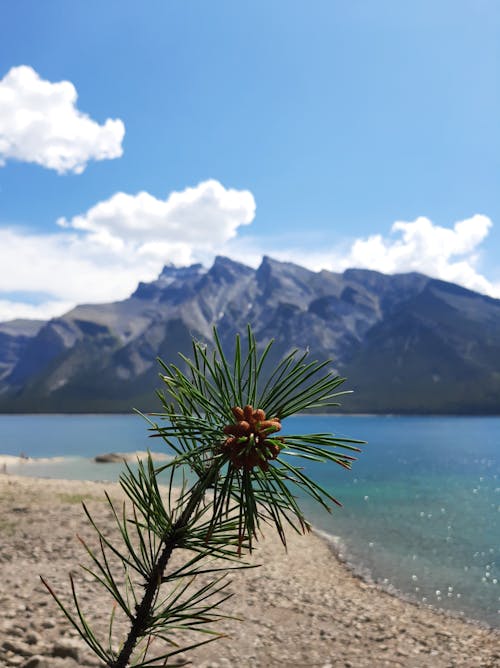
{"type": "Point", "coordinates": [102, 458]}
{"type": "Point", "coordinates": [304, 607]}
{"type": "Point", "coordinates": [335, 545]}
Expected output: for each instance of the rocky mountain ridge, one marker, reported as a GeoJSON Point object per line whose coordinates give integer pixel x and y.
{"type": "Point", "coordinates": [406, 342]}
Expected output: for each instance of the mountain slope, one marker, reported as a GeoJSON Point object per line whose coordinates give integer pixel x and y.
{"type": "Point", "coordinates": [407, 343]}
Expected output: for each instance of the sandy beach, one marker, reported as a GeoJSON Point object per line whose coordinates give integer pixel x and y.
{"type": "Point", "coordinates": [300, 608]}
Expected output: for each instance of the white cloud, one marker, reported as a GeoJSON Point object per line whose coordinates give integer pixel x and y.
{"type": "Point", "coordinates": [205, 216]}
{"type": "Point", "coordinates": [101, 255]}
{"type": "Point", "coordinates": [451, 254]}
{"type": "Point", "coordinates": [39, 123]}
{"type": "Point", "coordinates": [10, 310]}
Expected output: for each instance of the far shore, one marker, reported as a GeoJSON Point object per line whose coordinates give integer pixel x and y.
{"type": "Point", "coordinates": [300, 608]}
{"type": "Point", "coordinates": [8, 461]}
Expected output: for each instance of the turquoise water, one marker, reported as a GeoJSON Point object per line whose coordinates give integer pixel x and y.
{"type": "Point", "coordinates": [421, 511]}
{"type": "Point", "coordinates": [76, 438]}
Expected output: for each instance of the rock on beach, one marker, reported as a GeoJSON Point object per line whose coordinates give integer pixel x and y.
{"type": "Point", "coordinates": [118, 457]}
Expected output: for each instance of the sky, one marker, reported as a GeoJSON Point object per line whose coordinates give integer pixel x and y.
{"type": "Point", "coordinates": [332, 134]}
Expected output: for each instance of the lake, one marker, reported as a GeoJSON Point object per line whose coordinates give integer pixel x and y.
{"type": "Point", "coordinates": [421, 513]}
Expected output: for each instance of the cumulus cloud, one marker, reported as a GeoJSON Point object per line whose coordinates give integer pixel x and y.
{"type": "Point", "coordinates": [204, 216]}
{"type": "Point", "coordinates": [451, 254]}
{"type": "Point", "coordinates": [40, 123]}
{"type": "Point", "coordinates": [101, 255]}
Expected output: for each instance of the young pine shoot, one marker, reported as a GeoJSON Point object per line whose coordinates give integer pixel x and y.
{"type": "Point", "coordinates": [222, 421]}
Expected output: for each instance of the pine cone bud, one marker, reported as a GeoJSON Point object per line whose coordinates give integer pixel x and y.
{"type": "Point", "coordinates": [247, 444]}
{"type": "Point", "coordinates": [238, 413]}
{"type": "Point", "coordinates": [248, 413]}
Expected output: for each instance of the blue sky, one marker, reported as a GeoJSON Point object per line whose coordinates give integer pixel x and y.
{"type": "Point", "coordinates": [305, 131]}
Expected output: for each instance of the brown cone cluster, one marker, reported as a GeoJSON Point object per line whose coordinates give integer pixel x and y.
{"type": "Point", "coordinates": [248, 443]}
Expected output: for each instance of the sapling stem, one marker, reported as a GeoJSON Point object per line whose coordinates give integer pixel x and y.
{"type": "Point", "coordinates": [144, 608]}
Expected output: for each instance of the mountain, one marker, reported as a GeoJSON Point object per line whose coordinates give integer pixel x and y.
{"type": "Point", "coordinates": [14, 338]}
{"type": "Point", "coordinates": [407, 343]}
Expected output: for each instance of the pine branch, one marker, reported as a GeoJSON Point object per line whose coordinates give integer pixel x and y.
{"type": "Point", "coordinates": [221, 420]}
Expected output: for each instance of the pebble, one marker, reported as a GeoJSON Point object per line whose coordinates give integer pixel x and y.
{"type": "Point", "coordinates": [65, 650]}
{"type": "Point", "coordinates": [32, 638]}
{"type": "Point", "coordinates": [36, 662]}
{"type": "Point", "coordinates": [16, 647]}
